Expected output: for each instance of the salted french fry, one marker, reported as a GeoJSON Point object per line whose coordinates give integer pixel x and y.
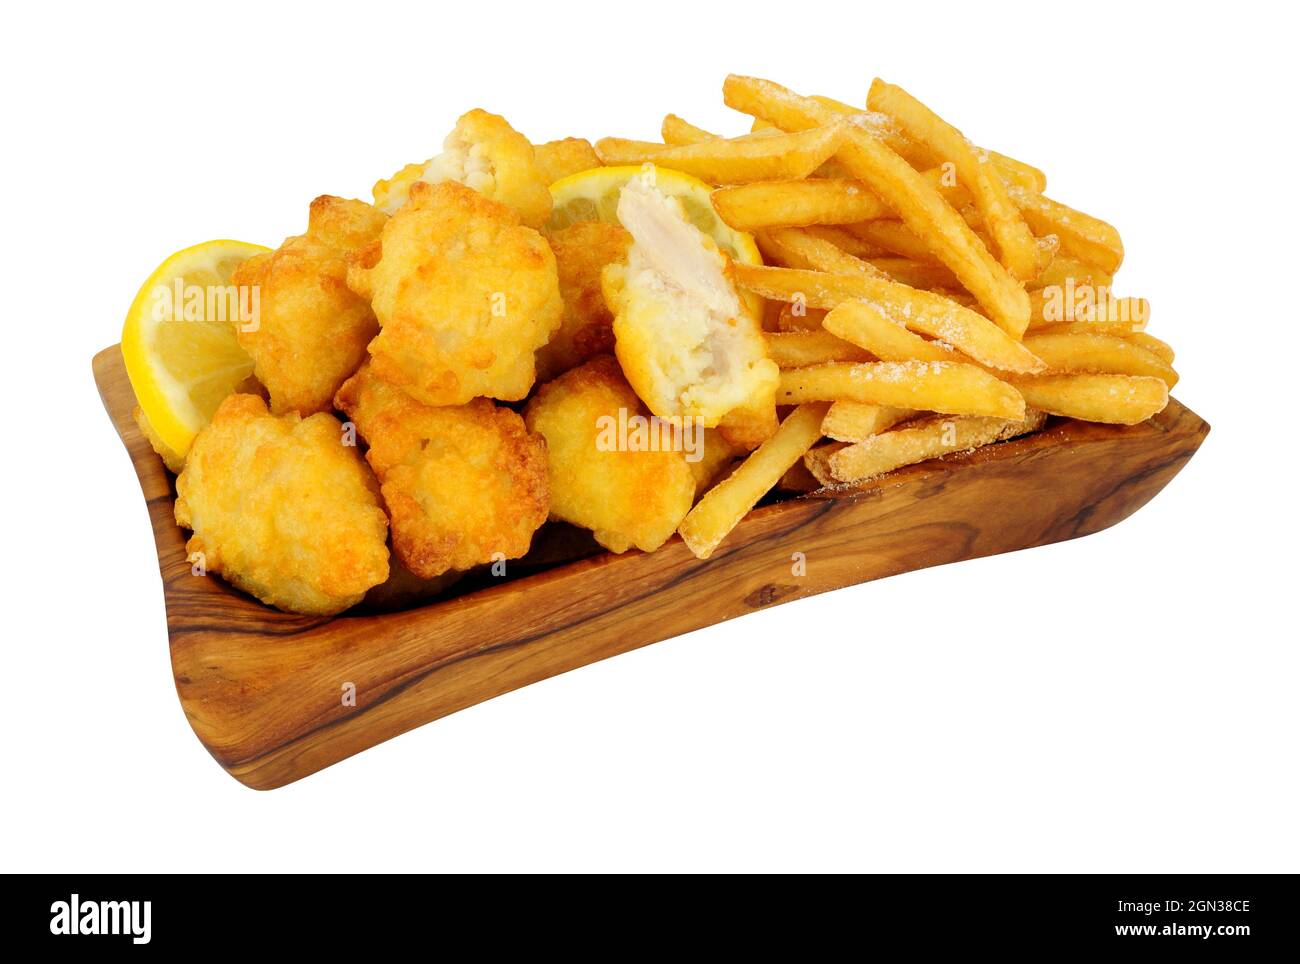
{"type": "Point", "coordinates": [798, 479]}
{"type": "Point", "coordinates": [847, 421]}
{"type": "Point", "coordinates": [1117, 399]}
{"type": "Point", "coordinates": [1087, 352]}
{"type": "Point", "coordinates": [723, 506]}
{"type": "Point", "coordinates": [796, 203]}
{"type": "Point", "coordinates": [559, 159]}
{"type": "Point", "coordinates": [799, 349]}
{"type": "Point", "coordinates": [817, 461]}
{"type": "Point", "coordinates": [1160, 349]}
{"type": "Point", "coordinates": [733, 161]}
{"type": "Point", "coordinates": [862, 324]}
{"type": "Point", "coordinates": [920, 311]}
{"type": "Point", "coordinates": [922, 440]}
{"type": "Point", "coordinates": [677, 131]}
{"type": "Point", "coordinates": [900, 186]}
{"type": "Point", "coordinates": [917, 274]}
{"type": "Point", "coordinates": [796, 248]}
{"type": "Point", "coordinates": [951, 387]}
{"type": "Point", "coordinates": [1082, 236]}
{"type": "Point", "coordinates": [1012, 238]}
{"type": "Point", "coordinates": [1066, 271]}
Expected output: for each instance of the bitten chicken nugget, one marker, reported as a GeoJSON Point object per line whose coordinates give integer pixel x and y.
{"type": "Point", "coordinates": [581, 252]}
{"type": "Point", "coordinates": [485, 153]}
{"type": "Point", "coordinates": [311, 330]}
{"type": "Point", "coordinates": [282, 508]}
{"type": "Point", "coordinates": [626, 493]}
{"type": "Point", "coordinates": [464, 293]}
{"type": "Point", "coordinates": [559, 159]}
{"type": "Point", "coordinates": [685, 339]}
{"type": "Point", "coordinates": [464, 484]}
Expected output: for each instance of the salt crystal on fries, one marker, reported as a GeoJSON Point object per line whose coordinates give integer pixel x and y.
{"type": "Point", "coordinates": [923, 439]}
{"type": "Point", "coordinates": [723, 506]}
{"type": "Point", "coordinates": [732, 161]}
{"type": "Point", "coordinates": [920, 311]}
{"type": "Point", "coordinates": [1116, 399]}
{"type": "Point", "coordinates": [952, 387]}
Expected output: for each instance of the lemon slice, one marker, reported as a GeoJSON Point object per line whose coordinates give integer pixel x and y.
{"type": "Point", "coordinates": [179, 343]}
{"type": "Point", "coordinates": [593, 196]}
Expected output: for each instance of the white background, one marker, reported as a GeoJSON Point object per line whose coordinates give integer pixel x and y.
{"type": "Point", "coordinates": [1126, 702]}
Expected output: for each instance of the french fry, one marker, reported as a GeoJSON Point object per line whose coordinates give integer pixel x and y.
{"type": "Point", "coordinates": [846, 241]}
{"type": "Point", "coordinates": [1088, 352]}
{"type": "Point", "coordinates": [917, 274]}
{"type": "Point", "coordinates": [951, 387]}
{"type": "Point", "coordinates": [723, 506]}
{"type": "Point", "coordinates": [1116, 399]}
{"type": "Point", "coordinates": [847, 421]}
{"type": "Point", "coordinates": [865, 326]}
{"type": "Point", "coordinates": [748, 425]}
{"type": "Point", "coordinates": [559, 159]}
{"type": "Point", "coordinates": [1082, 236]}
{"type": "Point", "coordinates": [922, 440]}
{"type": "Point", "coordinates": [817, 461]}
{"type": "Point", "coordinates": [901, 187]}
{"type": "Point", "coordinates": [1011, 235]}
{"type": "Point", "coordinates": [676, 131]}
{"type": "Point", "coordinates": [799, 349]}
{"type": "Point", "coordinates": [798, 479]}
{"type": "Point", "coordinates": [1066, 271]}
{"type": "Point", "coordinates": [920, 311]}
{"type": "Point", "coordinates": [1086, 303]}
{"type": "Point", "coordinates": [895, 237]}
{"type": "Point", "coordinates": [733, 161]}
{"type": "Point", "coordinates": [1160, 349]}
{"type": "Point", "coordinates": [795, 248]}
{"type": "Point", "coordinates": [791, 203]}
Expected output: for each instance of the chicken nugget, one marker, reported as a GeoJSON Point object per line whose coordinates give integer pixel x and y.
{"type": "Point", "coordinates": [582, 251]}
{"type": "Point", "coordinates": [484, 153]}
{"type": "Point", "coordinates": [311, 331]}
{"type": "Point", "coordinates": [685, 339]}
{"type": "Point", "coordinates": [464, 484]}
{"type": "Point", "coordinates": [628, 495]}
{"type": "Point", "coordinates": [465, 295]}
{"type": "Point", "coordinates": [559, 159]}
{"type": "Point", "coordinates": [283, 509]}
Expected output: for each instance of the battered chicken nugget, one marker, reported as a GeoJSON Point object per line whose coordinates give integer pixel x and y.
{"type": "Point", "coordinates": [464, 485]}
{"type": "Point", "coordinates": [485, 153]}
{"type": "Point", "coordinates": [283, 509]}
{"type": "Point", "coordinates": [312, 331]}
{"type": "Point", "coordinates": [627, 498]}
{"type": "Point", "coordinates": [685, 339]}
{"type": "Point", "coordinates": [464, 293]}
{"type": "Point", "coordinates": [582, 251]}
{"type": "Point", "coordinates": [559, 159]}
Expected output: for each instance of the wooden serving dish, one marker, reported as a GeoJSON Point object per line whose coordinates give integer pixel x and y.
{"type": "Point", "coordinates": [262, 689]}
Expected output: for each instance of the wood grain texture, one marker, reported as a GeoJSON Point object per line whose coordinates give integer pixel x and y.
{"type": "Point", "coordinates": [262, 689]}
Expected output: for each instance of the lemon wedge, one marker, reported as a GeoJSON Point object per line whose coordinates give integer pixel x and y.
{"type": "Point", "coordinates": [179, 341]}
{"type": "Point", "coordinates": [593, 196]}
